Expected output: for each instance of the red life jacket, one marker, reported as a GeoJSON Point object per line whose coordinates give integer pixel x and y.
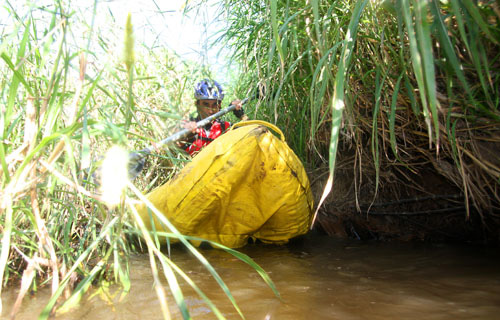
{"type": "Point", "coordinates": [204, 137]}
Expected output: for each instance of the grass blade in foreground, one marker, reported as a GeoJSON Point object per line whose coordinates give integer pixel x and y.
{"type": "Point", "coordinates": [338, 97]}
{"type": "Point", "coordinates": [241, 256]}
{"type": "Point", "coordinates": [50, 305]}
{"type": "Point", "coordinates": [188, 245]}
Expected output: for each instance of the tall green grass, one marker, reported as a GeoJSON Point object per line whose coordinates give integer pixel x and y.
{"type": "Point", "coordinates": [67, 96]}
{"type": "Point", "coordinates": [390, 80]}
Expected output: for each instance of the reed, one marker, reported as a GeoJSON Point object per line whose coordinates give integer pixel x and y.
{"type": "Point", "coordinates": [399, 85]}
{"type": "Point", "coordinates": [66, 99]}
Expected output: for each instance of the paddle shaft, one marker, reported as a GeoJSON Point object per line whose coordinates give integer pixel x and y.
{"type": "Point", "coordinates": [186, 132]}
{"type": "Point", "coordinates": [137, 159]}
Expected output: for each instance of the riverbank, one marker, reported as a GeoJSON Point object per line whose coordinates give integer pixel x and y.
{"type": "Point", "coordinates": [410, 207]}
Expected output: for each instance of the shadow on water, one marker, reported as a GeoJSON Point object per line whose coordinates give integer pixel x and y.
{"type": "Point", "coordinates": [318, 278]}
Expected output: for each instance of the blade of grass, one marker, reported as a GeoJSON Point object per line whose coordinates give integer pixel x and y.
{"type": "Point", "coordinates": [425, 47]}
{"type": "Point", "coordinates": [241, 256]}
{"type": "Point", "coordinates": [16, 78]}
{"type": "Point", "coordinates": [189, 246]}
{"type": "Point", "coordinates": [472, 8]}
{"type": "Point", "coordinates": [447, 45]}
{"type": "Point", "coordinates": [316, 99]}
{"type": "Point", "coordinates": [50, 305]}
{"type": "Point", "coordinates": [84, 285]}
{"type": "Point", "coordinates": [193, 285]}
{"type": "Point", "coordinates": [463, 19]}
{"type": "Point", "coordinates": [6, 207]}
{"type": "Point", "coordinates": [338, 97]}
{"type": "Point", "coordinates": [43, 143]}
{"type": "Point", "coordinates": [276, 36]}
{"type": "Point", "coordinates": [129, 59]}
{"type": "Point", "coordinates": [392, 116]}
{"type": "Point", "coordinates": [172, 280]}
{"type": "Point", "coordinates": [417, 63]}
{"type": "Point", "coordinates": [374, 137]}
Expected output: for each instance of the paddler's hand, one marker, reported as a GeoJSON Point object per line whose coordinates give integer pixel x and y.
{"type": "Point", "coordinates": [238, 111]}
{"type": "Point", "coordinates": [190, 125]}
{"type": "Point", "coordinates": [237, 103]}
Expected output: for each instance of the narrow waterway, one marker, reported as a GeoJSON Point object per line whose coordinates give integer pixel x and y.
{"type": "Point", "coordinates": [318, 278]}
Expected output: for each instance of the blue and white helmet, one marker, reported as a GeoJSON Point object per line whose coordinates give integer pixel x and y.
{"type": "Point", "coordinates": [208, 89]}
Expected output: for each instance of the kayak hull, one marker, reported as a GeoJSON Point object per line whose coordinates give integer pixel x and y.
{"type": "Point", "coordinates": [246, 184]}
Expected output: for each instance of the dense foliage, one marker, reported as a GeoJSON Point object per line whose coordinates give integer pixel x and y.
{"type": "Point", "coordinates": [70, 89]}
{"type": "Point", "coordinates": [392, 87]}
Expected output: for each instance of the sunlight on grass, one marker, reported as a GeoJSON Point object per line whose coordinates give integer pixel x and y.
{"type": "Point", "coordinates": [69, 101]}
{"type": "Point", "coordinates": [114, 175]}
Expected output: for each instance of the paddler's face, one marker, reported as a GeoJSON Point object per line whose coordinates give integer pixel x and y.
{"type": "Point", "coordinates": [207, 107]}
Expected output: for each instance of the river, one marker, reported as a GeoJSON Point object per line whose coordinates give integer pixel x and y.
{"type": "Point", "coordinates": [318, 278]}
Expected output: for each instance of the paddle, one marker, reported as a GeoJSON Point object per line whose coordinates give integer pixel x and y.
{"type": "Point", "coordinates": [137, 159]}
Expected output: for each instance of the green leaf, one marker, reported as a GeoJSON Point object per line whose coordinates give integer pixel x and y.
{"type": "Point", "coordinates": [274, 24]}
{"type": "Point", "coordinates": [338, 95]}
{"type": "Point", "coordinates": [392, 116]}
{"type": "Point", "coordinates": [425, 48]}
{"type": "Point", "coordinates": [478, 19]}
{"type": "Point", "coordinates": [50, 305]}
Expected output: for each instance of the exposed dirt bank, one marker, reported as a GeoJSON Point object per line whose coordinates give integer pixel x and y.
{"type": "Point", "coordinates": [411, 205]}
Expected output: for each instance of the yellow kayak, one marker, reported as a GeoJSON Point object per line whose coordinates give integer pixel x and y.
{"type": "Point", "coordinates": [246, 184]}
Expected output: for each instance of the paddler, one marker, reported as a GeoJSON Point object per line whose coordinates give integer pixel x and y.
{"type": "Point", "coordinates": [208, 94]}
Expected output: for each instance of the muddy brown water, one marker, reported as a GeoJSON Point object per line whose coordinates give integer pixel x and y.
{"type": "Point", "coordinates": [318, 278]}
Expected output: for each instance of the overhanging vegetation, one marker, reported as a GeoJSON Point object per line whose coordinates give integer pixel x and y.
{"type": "Point", "coordinates": [394, 89]}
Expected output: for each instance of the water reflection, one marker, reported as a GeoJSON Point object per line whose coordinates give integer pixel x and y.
{"type": "Point", "coordinates": [320, 278]}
